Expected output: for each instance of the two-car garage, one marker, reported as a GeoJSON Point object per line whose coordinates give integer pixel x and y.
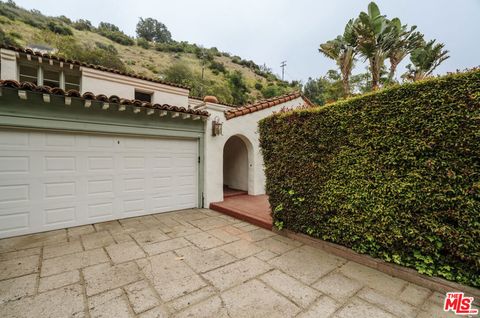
{"type": "Point", "coordinates": [51, 180]}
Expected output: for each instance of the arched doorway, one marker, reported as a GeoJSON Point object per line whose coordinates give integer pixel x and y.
{"type": "Point", "coordinates": [236, 164]}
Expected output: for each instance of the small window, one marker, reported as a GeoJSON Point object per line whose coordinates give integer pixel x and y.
{"type": "Point", "coordinates": [144, 97]}
{"type": "Point", "coordinates": [51, 78]}
{"type": "Point", "coordinates": [29, 73]}
{"type": "Point", "coordinates": [72, 82]}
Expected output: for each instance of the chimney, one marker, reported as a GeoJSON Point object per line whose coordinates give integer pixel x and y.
{"type": "Point", "coordinates": [210, 99]}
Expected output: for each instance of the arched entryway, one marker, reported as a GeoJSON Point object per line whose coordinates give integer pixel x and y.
{"type": "Point", "coordinates": [236, 164]}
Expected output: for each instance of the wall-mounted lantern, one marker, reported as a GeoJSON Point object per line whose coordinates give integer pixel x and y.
{"type": "Point", "coordinates": [216, 127]}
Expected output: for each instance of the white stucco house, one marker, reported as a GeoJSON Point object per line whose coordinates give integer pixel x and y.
{"type": "Point", "coordinates": [82, 144]}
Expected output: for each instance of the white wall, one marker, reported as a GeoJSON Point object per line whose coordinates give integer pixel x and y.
{"type": "Point", "coordinates": [245, 127]}
{"type": "Point", "coordinates": [235, 164]}
{"type": "Point", "coordinates": [9, 68]}
{"type": "Point", "coordinates": [99, 82]}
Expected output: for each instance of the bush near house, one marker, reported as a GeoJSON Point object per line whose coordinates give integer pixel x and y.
{"type": "Point", "coordinates": [394, 174]}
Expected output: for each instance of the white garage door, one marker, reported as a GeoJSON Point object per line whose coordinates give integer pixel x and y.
{"type": "Point", "coordinates": [52, 180]}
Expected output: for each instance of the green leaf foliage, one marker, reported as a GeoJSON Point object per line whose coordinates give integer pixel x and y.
{"type": "Point", "coordinates": [394, 174]}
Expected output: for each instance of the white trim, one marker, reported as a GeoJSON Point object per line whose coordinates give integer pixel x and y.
{"type": "Point", "coordinates": [46, 98]}
{"type": "Point", "coordinates": [22, 95]}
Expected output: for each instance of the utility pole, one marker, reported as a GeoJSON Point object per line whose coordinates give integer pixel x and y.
{"type": "Point", "coordinates": [282, 65]}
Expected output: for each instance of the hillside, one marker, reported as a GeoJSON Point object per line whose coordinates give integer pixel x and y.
{"type": "Point", "coordinates": [230, 78]}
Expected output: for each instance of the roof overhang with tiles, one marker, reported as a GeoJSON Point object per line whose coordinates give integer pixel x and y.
{"type": "Point", "coordinates": [264, 104]}
{"type": "Point", "coordinates": [24, 89]}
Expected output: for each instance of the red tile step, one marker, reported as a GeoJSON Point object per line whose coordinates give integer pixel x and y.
{"type": "Point", "coordinates": [254, 209]}
{"type": "Point", "coordinates": [227, 192]}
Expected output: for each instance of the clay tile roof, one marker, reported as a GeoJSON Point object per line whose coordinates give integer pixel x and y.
{"type": "Point", "coordinates": [73, 93]}
{"type": "Point", "coordinates": [247, 109]}
{"type": "Point", "coordinates": [136, 102]}
{"type": "Point", "coordinates": [27, 86]}
{"type": "Point", "coordinates": [124, 101]}
{"type": "Point", "coordinates": [88, 95]}
{"type": "Point", "coordinates": [114, 99]}
{"type": "Point", "coordinates": [11, 84]}
{"type": "Point", "coordinates": [43, 89]}
{"type": "Point", "coordinates": [57, 91]}
{"type": "Point", "coordinates": [102, 98]}
{"type": "Point", "coordinates": [97, 67]}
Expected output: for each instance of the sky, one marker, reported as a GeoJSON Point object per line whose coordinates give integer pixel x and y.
{"type": "Point", "coordinates": [271, 31]}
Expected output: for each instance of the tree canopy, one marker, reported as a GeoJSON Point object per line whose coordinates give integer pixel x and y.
{"type": "Point", "coordinates": [377, 39]}
{"type": "Point", "coordinates": [153, 30]}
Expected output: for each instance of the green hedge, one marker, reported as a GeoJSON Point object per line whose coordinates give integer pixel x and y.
{"type": "Point", "coordinates": [394, 174]}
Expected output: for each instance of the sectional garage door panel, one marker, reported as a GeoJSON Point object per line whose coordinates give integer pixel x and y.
{"type": "Point", "coordinates": [55, 180]}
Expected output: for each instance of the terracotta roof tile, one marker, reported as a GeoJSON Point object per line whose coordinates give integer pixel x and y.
{"type": "Point", "coordinates": [73, 93]}
{"type": "Point", "coordinates": [114, 99]}
{"type": "Point", "coordinates": [101, 97]}
{"type": "Point", "coordinates": [79, 63]}
{"type": "Point", "coordinates": [243, 110]}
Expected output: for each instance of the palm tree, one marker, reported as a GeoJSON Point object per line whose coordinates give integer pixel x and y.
{"type": "Point", "coordinates": [425, 60]}
{"type": "Point", "coordinates": [404, 42]}
{"type": "Point", "coordinates": [342, 51]}
{"type": "Point", "coordinates": [375, 38]}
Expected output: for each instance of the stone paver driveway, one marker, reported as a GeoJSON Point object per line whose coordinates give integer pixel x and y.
{"type": "Point", "coordinates": [192, 263]}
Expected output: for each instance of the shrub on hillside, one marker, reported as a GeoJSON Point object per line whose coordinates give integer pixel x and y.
{"type": "Point", "coordinates": [6, 39]}
{"type": "Point", "coordinates": [59, 29]}
{"type": "Point", "coordinates": [273, 90]}
{"type": "Point", "coordinates": [143, 43]}
{"type": "Point", "coordinates": [180, 73]}
{"type": "Point", "coordinates": [104, 55]}
{"type": "Point", "coordinates": [394, 174]}
{"type": "Point", "coordinates": [217, 67]}
{"type": "Point", "coordinates": [113, 33]}
{"type": "Point", "coordinates": [175, 47]}
{"type": "Point", "coordinates": [258, 86]}
{"type": "Point", "coordinates": [64, 19]}
{"type": "Point", "coordinates": [83, 25]}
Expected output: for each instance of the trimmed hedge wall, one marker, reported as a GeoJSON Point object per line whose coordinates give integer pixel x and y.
{"type": "Point", "coordinates": [394, 174]}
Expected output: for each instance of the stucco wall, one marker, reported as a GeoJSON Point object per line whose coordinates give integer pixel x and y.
{"type": "Point", "coordinates": [235, 164]}
{"type": "Point", "coordinates": [99, 82]}
{"type": "Point", "coordinates": [246, 128]}
{"type": "Point", "coordinates": [9, 65]}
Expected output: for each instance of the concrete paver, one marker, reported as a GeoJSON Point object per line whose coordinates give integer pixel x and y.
{"type": "Point", "coordinates": [103, 277]}
{"type": "Point", "coordinates": [17, 288]}
{"type": "Point", "coordinates": [124, 251]}
{"type": "Point", "coordinates": [337, 286]}
{"type": "Point", "coordinates": [109, 304]}
{"type": "Point", "coordinates": [73, 261]}
{"type": "Point", "coordinates": [307, 263]}
{"type": "Point", "coordinates": [255, 299]}
{"type": "Point", "coordinates": [141, 296]}
{"type": "Point", "coordinates": [59, 280]}
{"type": "Point", "coordinates": [193, 263]}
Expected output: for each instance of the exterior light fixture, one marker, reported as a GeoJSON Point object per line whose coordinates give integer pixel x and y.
{"type": "Point", "coordinates": [216, 127]}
